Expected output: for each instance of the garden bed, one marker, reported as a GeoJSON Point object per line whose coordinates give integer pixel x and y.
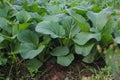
{"type": "Point", "coordinates": [59, 39]}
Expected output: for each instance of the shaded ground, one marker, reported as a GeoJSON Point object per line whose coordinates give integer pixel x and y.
{"type": "Point", "coordinates": [75, 71]}
{"type": "Point", "coordinates": [52, 71]}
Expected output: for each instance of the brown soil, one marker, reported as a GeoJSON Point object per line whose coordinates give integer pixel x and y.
{"type": "Point", "coordinates": [75, 71]}
{"type": "Point", "coordinates": [52, 71]}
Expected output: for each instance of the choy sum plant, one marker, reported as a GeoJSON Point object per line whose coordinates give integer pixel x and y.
{"type": "Point", "coordinates": [41, 29]}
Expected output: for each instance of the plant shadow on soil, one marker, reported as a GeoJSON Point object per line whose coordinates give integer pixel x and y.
{"type": "Point", "coordinates": [53, 71]}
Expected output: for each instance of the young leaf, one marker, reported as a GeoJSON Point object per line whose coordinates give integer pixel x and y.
{"type": "Point", "coordinates": [83, 37]}
{"type": "Point", "coordinates": [23, 26]}
{"type": "Point", "coordinates": [50, 28]}
{"type": "Point", "coordinates": [70, 26]}
{"type": "Point", "coordinates": [65, 60]}
{"type": "Point", "coordinates": [99, 20]}
{"type": "Point", "coordinates": [80, 20]}
{"type": "Point", "coordinates": [60, 51]}
{"type": "Point", "coordinates": [84, 50]}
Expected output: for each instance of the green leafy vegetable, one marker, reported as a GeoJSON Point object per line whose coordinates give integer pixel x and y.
{"type": "Point", "coordinates": [83, 37]}
{"type": "Point", "coordinates": [60, 51]}
{"type": "Point", "coordinates": [65, 60]}
{"type": "Point", "coordinates": [29, 51]}
{"type": "Point", "coordinates": [27, 36]}
{"type": "Point", "coordinates": [84, 50]}
{"type": "Point", "coordinates": [33, 68]}
{"type": "Point", "coordinates": [4, 24]}
{"type": "Point", "coordinates": [99, 20]}
{"type": "Point", "coordinates": [50, 28]}
{"type": "Point", "coordinates": [23, 16]}
{"type": "Point", "coordinates": [80, 20]}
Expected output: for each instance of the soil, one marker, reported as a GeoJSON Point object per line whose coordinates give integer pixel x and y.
{"type": "Point", "coordinates": [76, 71]}
{"type": "Point", "coordinates": [52, 71]}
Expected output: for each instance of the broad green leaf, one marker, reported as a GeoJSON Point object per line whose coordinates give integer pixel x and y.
{"type": "Point", "coordinates": [60, 51]}
{"type": "Point", "coordinates": [117, 40]}
{"type": "Point", "coordinates": [24, 26]}
{"type": "Point", "coordinates": [55, 18]}
{"type": "Point", "coordinates": [4, 10]}
{"type": "Point", "coordinates": [29, 51]}
{"type": "Point", "coordinates": [80, 20]}
{"type": "Point", "coordinates": [108, 29]}
{"type": "Point", "coordinates": [33, 6]}
{"type": "Point", "coordinates": [65, 60]}
{"type": "Point", "coordinates": [70, 26]}
{"type": "Point", "coordinates": [55, 9]}
{"type": "Point", "coordinates": [83, 37]}
{"type": "Point", "coordinates": [99, 20]}
{"type": "Point", "coordinates": [28, 36]}
{"type": "Point", "coordinates": [85, 49]}
{"type": "Point", "coordinates": [36, 16]}
{"type": "Point", "coordinates": [23, 16]}
{"type": "Point", "coordinates": [33, 65]}
{"type": "Point", "coordinates": [25, 47]}
{"type": "Point", "coordinates": [82, 9]}
{"type": "Point", "coordinates": [50, 28]}
{"type": "Point", "coordinates": [1, 39]}
{"type": "Point", "coordinates": [4, 24]}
